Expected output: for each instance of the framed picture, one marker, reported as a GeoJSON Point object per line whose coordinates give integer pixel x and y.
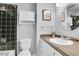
{"type": "Point", "coordinates": [46, 15]}
{"type": "Point", "coordinates": [62, 17]}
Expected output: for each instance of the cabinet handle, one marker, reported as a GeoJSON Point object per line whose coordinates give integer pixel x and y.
{"type": "Point", "coordinates": [54, 54]}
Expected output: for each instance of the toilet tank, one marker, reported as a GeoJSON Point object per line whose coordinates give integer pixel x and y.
{"type": "Point", "coordinates": [25, 44]}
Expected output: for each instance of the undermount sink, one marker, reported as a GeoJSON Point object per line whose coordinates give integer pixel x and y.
{"type": "Point", "coordinates": [61, 41]}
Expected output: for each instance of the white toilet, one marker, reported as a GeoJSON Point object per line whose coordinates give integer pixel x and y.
{"type": "Point", "coordinates": [25, 46]}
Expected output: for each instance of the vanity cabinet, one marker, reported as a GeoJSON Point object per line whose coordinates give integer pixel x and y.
{"type": "Point", "coordinates": [47, 50]}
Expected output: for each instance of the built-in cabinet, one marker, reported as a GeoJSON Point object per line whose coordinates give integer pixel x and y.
{"type": "Point", "coordinates": [47, 50]}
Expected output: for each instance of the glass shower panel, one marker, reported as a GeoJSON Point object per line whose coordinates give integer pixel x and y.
{"type": "Point", "coordinates": [8, 27]}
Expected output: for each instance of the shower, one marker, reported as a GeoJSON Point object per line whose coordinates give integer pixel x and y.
{"type": "Point", "coordinates": [8, 27]}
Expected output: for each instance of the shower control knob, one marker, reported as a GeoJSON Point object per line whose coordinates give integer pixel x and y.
{"type": "Point", "coordinates": [3, 40]}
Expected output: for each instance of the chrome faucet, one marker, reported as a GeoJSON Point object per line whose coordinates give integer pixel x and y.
{"type": "Point", "coordinates": [65, 38]}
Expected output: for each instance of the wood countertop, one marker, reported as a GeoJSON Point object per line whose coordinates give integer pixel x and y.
{"type": "Point", "coordinates": [66, 50]}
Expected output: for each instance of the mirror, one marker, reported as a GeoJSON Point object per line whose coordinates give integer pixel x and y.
{"type": "Point", "coordinates": [59, 26]}
{"type": "Point", "coordinates": [73, 12]}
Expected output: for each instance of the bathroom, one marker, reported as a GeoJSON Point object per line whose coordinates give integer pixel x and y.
{"type": "Point", "coordinates": [34, 22]}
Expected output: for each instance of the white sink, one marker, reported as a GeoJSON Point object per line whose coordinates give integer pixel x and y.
{"type": "Point", "coordinates": [60, 41]}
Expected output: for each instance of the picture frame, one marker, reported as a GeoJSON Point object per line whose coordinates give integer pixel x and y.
{"type": "Point", "coordinates": [62, 17]}
{"type": "Point", "coordinates": [46, 15]}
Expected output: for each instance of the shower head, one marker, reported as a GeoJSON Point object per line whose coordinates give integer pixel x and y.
{"type": "Point", "coordinates": [7, 9]}
{"type": "Point", "coordinates": [3, 8]}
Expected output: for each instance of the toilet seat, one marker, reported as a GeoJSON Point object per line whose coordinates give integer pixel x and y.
{"type": "Point", "coordinates": [24, 53]}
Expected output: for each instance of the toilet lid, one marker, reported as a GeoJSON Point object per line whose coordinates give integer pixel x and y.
{"type": "Point", "coordinates": [24, 53]}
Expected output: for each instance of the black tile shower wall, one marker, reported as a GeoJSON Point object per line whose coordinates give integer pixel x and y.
{"type": "Point", "coordinates": [8, 27]}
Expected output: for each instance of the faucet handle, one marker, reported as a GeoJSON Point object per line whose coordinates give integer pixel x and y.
{"type": "Point", "coordinates": [3, 40]}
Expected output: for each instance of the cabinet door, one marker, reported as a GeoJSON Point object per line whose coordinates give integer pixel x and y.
{"type": "Point", "coordinates": [45, 49]}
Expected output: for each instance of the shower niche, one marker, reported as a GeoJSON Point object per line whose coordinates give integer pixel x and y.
{"type": "Point", "coordinates": [8, 30]}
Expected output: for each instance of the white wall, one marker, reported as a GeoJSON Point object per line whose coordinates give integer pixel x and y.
{"type": "Point", "coordinates": [40, 22]}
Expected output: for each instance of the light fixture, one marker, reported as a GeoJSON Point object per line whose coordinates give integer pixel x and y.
{"type": "Point", "coordinates": [61, 4]}
{"type": "Point", "coordinates": [57, 4]}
